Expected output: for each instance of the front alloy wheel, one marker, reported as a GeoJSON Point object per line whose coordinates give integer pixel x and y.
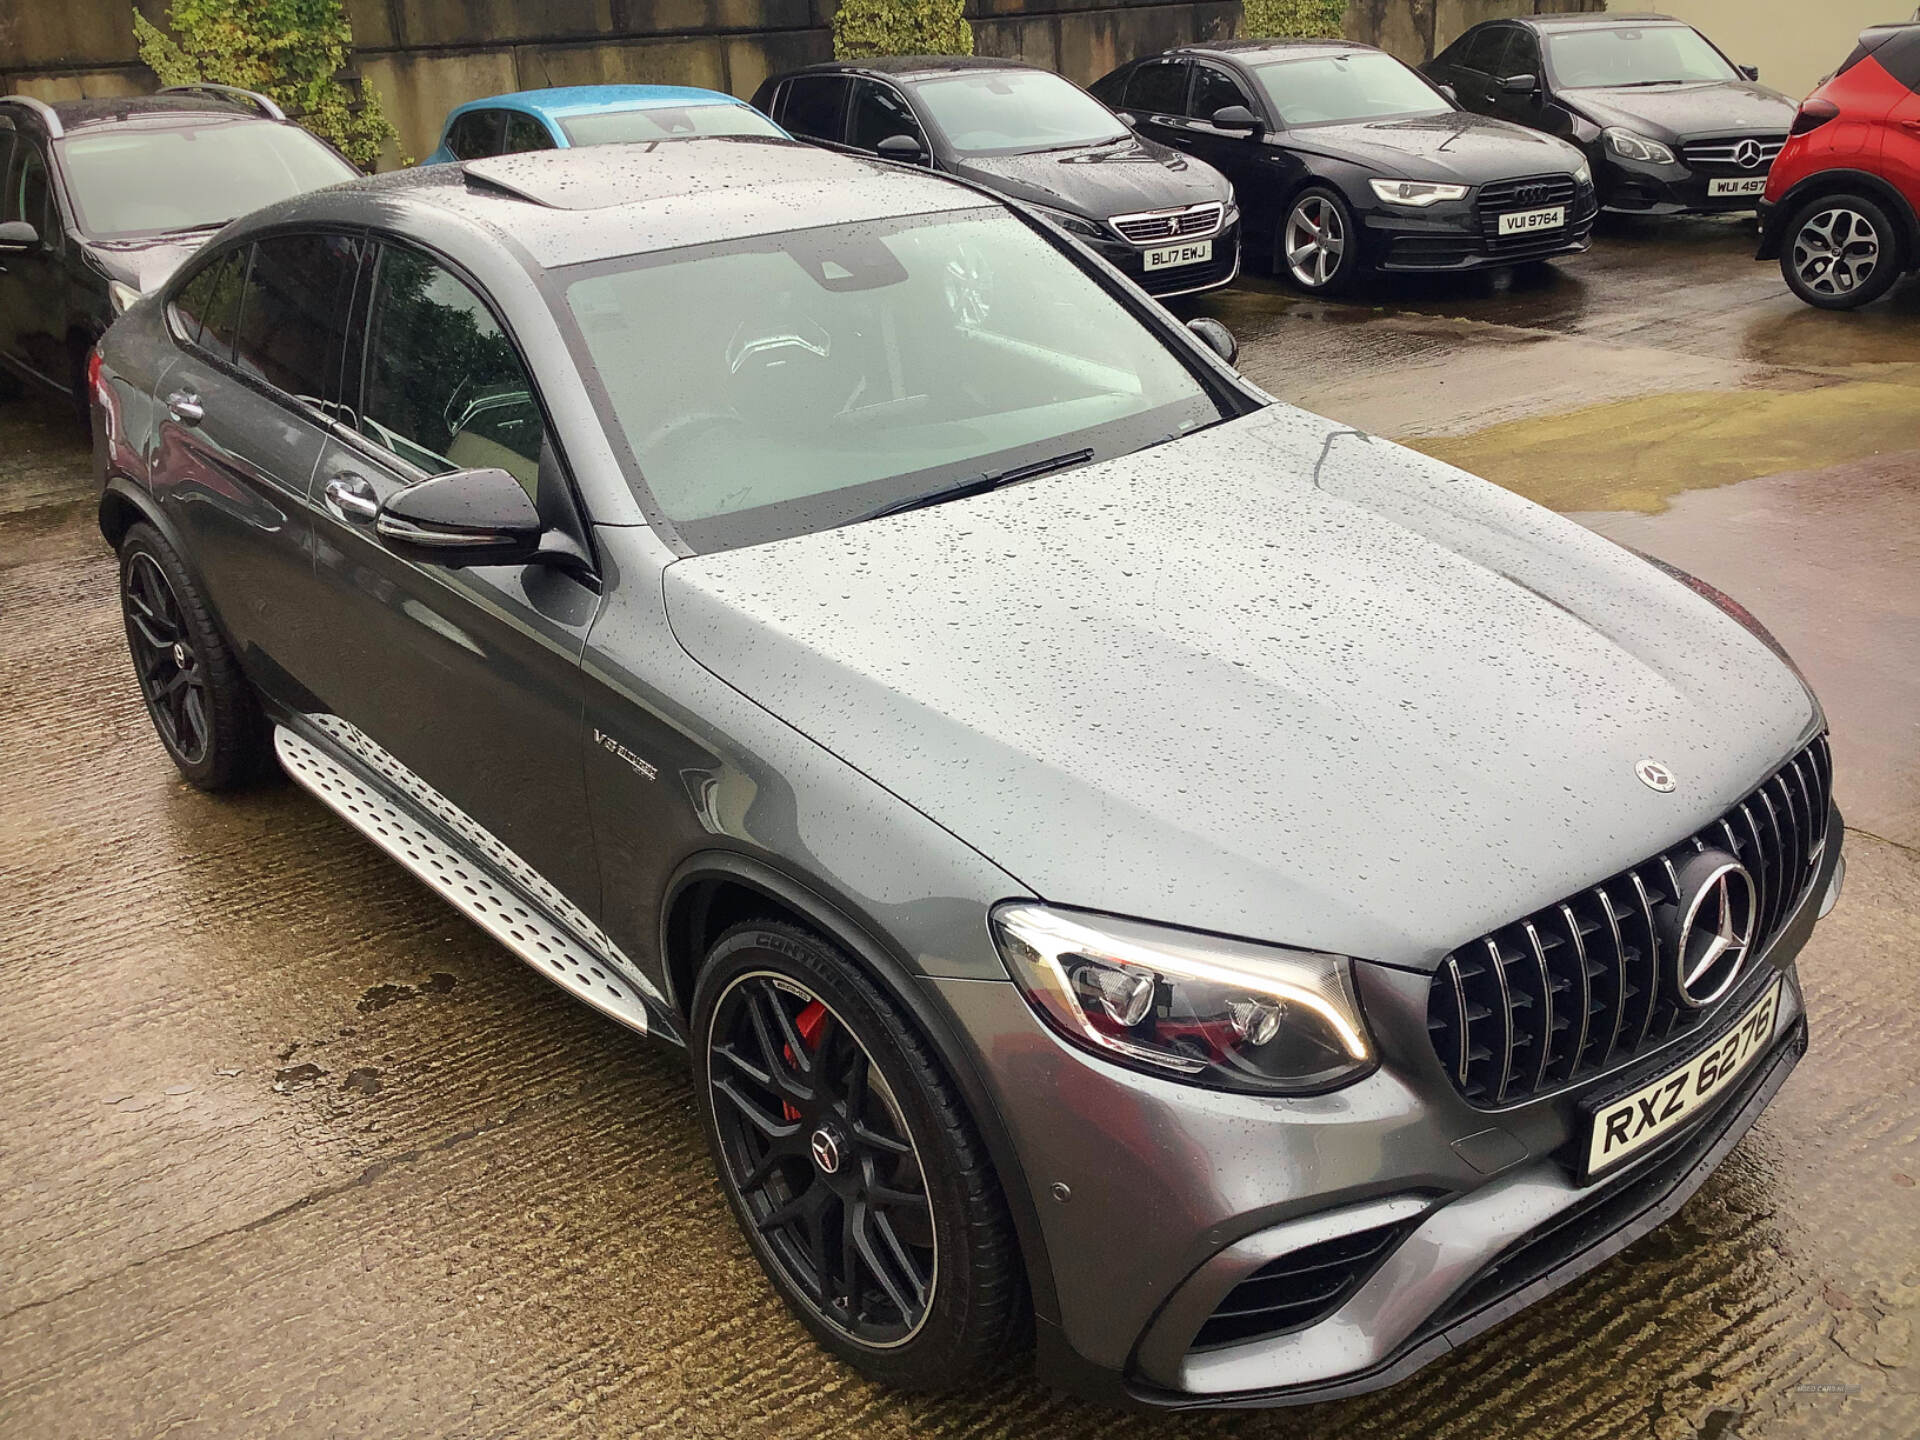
{"type": "Point", "coordinates": [851, 1163]}
{"type": "Point", "coordinates": [1317, 242]}
{"type": "Point", "coordinates": [1840, 253]}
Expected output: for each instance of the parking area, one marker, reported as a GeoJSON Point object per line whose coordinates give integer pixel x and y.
{"type": "Point", "coordinates": [288, 1144]}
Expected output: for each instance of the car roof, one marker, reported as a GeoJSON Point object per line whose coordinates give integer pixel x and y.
{"type": "Point", "coordinates": [572, 206]}
{"type": "Point", "coordinates": [1246, 51]}
{"type": "Point", "coordinates": [151, 110]}
{"type": "Point", "coordinates": [580, 99]}
{"type": "Point", "coordinates": [1580, 20]}
{"type": "Point", "coordinates": [911, 67]}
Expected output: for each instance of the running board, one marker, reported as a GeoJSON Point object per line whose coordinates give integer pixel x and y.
{"type": "Point", "coordinates": [499, 911]}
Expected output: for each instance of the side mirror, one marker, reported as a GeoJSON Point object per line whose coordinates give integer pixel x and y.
{"type": "Point", "coordinates": [1216, 337]}
{"type": "Point", "coordinates": [901, 147]}
{"type": "Point", "coordinates": [1752, 72]}
{"type": "Point", "coordinates": [1520, 84]}
{"type": "Point", "coordinates": [1127, 118]}
{"type": "Point", "coordinates": [470, 517]}
{"type": "Point", "coordinates": [1448, 91]}
{"type": "Point", "coordinates": [1235, 117]}
{"type": "Point", "coordinates": [18, 235]}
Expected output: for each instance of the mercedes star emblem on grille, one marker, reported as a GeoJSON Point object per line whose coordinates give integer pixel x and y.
{"type": "Point", "coordinates": [1747, 153]}
{"type": "Point", "coordinates": [1715, 910]}
{"type": "Point", "coordinates": [1654, 775]}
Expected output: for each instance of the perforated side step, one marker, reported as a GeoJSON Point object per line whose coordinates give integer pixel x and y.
{"type": "Point", "coordinates": [493, 907]}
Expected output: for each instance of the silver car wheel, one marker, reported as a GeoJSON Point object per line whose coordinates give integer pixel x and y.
{"type": "Point", "coordinates": [1835, 251]}
{"type": "Point", "coordinates": [1316, 241]}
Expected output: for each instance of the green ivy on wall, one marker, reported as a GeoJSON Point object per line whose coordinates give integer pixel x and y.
{"type": "Point", "coordinates": [291, 51]}
{"type": "Point", "coordinates": [1297, 18]}
{"type": "Point", "coordinates": [900, 27]}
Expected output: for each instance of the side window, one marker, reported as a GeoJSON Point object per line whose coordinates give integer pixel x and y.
{"type": "Point", "coordinates": [814, 106]}
{"type": "Point", "coordinates": [30, 196]}
{"type": "Point", "coordinates": [209, 308]}
{"type": "Point", "coordinates": [1215, 90]}
{"type": "Point", "coordinates": [443, 388]}
{"type": "Point", "coordinates": [200, 295]}
{"type": "Point", "coordinates": [1520, 55]}
{"type": "Point", "coordinates": [475, 135]}
{"type": "Point", "coordinates": [527, 132]}
{"type": "Point", "coordinates": [1483, 49]}
{"type": "Point", "coordinates": [1159, 88]}
{"type": "Point", "coordinates": [6, 153]}
{"type": "Point", "coordinates": [880, 111]}
{"type": "Point", "coordinates": [293, 313]}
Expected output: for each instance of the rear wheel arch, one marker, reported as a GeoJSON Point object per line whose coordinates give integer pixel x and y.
{"type": "Point", "coordinates": [713, 891]}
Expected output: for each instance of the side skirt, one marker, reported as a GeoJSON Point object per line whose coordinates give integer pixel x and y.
{"type": "Point", "coordinates": [500, 910]}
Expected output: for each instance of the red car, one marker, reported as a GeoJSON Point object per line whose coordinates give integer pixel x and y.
{"type": "Point", "coordinates": [1842, 208]}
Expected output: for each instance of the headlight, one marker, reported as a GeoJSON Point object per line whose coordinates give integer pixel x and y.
{"type": "Point", "coordinates": [121, 295]}
{"type": "Point", "coordinates": [1072, 224]}
{"type": "Point", "coordinates": [1637, 147]}
{"type": "Point", "coordinates": [1418, 193]}
{"type": "Point", "coordinates": [1582, 173]}
{"type": "Point", "coordinates": [1221, 1013]}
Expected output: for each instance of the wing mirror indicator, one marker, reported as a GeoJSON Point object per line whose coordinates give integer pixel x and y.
{"type": "Point", "coordinates": [468, 517]}
{"type": "Point", "coordinates": [1216, 337]}
{"type": "Point", "coordinates": [1236, 117]}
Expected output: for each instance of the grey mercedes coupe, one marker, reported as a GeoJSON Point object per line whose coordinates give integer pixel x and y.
{"type": "Point", "coordinates": [1140, 872]}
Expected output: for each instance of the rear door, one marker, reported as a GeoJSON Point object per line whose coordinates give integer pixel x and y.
{"type": "Point", "coordinates": [467, 681]}
{"type": "Point", "coordinates": [243, 416]}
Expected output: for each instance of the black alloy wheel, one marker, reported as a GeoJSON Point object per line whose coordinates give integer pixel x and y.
{"type": "Point", "coordinates": [1841, 252]}
{"type": "Point", "coordinates": [850, 1163]}
{"type": "Point", "coordinates": [200, 704]}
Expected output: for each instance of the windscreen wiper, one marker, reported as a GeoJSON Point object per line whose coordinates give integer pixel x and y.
{"type": "Point", "coordinates": [981, 484]}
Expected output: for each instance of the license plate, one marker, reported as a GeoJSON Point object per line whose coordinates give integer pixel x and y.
{"type": "Point", "coordinates": [1657, 1110]}
{"type": "Point", "coordinates": [1523, 222]}
{"type": "Point", "coordinates": [1748, 185]}
{"type": "Point", "coordinates": [1191, 254]}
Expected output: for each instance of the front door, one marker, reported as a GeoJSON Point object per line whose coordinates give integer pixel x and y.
{"type": "Point", "coordinates": [461, 685]}
{"type": "Point", "coordinates": [33, 287]}
{"type": "Point", "coordinates": [1249, 162]}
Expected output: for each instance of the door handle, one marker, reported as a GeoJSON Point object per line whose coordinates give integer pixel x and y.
{"type": "Point", "coordinates": [352, 498]}
{"type": "Point", "coordinates": [185, 407]}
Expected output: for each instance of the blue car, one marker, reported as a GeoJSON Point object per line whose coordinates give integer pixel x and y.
{"type": "Point", "coordinates": [593, 115]}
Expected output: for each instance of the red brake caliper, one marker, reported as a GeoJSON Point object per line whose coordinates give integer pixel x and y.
{"type": "Point", "coordinates": [808, 1023]}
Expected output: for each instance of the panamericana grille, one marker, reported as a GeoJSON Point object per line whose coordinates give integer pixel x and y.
{"type": "Point", "coordinates": [1192, 223]}
{"type": "Point", "coordinates": [1299, 1288]}
{"type": "Point", "coordinates": [1580, 987]}
{"type": "Point", "coordinates": [1742, 155]}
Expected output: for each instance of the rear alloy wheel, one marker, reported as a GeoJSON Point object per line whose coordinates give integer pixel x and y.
{"type": "Point", "coordinates": [851, 1164]}
{"type": "Point", "coordinates": [1319, 250]}
{"type": "Point", "coordinates": [199, 702]}
{"type": "Point", "coordinates": [1841, 251]}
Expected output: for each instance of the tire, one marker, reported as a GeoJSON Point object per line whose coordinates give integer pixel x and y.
{"type": "Point", "coordinates": [201, 706]}
{"type": "Point", "coordinates": [1840, 252]}
{"type": "Point", "coordinates": [869, 1143]}
{"type": "Point", "coordinates": [1318, 246]}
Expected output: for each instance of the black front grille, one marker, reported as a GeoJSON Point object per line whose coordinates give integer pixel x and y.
{"type": "Point", "coordinates": [1579, 988]}
{"type": "Point", "coordinates": [1532, 192]}
{"type": "Point", "coordinates": [1298, 1289]}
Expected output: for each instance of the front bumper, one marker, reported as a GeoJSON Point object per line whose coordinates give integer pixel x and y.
{"type": "Point", "coordinates": [1631, 187]}
{"type": "Point", "coordinates": [1221, 268]}
{"type": "Point", "coordinates": [1465, 235]}
{"type": "Point", "coordinates": [1174, 1195]}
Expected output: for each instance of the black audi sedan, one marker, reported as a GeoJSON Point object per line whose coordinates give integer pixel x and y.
{"type": "Point", "coordinates": [1165, 220]}
{"type": "Point", "coordinates": [101, 200]}
{"type": "Point", "coordinates": [1668, 122]}
{"type": "Point", "coordinates": [1346, 161]}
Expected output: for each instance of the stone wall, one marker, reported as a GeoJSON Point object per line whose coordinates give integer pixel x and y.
{"type": "Point", "coordinates": [426, 56]}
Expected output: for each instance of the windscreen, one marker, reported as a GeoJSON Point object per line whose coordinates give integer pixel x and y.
{"type": "Point", "coordinates": [1007, 112]}
{"type": "Point", "coordinates": [137, 181]}
{"type": "Point", "coordinates": [1361, 85]}
{"type": "Point", "coordinates": [674, 122]}
{"type": "Point", "coordinates": [1642, 55]}
{"type": "Point", "coordinates": [794, 382]}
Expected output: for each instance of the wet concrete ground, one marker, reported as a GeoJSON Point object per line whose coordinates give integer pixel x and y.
{"type": "Point", "coordinates": [286, 1146]}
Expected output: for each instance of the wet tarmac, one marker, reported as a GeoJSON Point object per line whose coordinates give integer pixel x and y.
{"type": "Point", "coordinates": [288, 1147]}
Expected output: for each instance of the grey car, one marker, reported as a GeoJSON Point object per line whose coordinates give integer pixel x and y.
{"type": "Point", "coordinates": [1139, 871]}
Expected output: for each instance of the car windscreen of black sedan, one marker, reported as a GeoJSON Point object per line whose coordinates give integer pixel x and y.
{"type": "Point", "coordinates": [815, 613]}
{"type": "Point", "coordinates": [1669, 123]}
{"type": "Point", "coordinates": [1166, 221]}
{"type": "Point", "coordinates": [1345, 161]}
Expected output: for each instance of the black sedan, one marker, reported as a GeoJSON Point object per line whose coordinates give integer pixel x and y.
{"type": "Point", "coordinates": [1166, 221]}
{"type": "Point", "coordinates": [1345, 161]}
{"type": "Point", "coordinates": [1669, 123]}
